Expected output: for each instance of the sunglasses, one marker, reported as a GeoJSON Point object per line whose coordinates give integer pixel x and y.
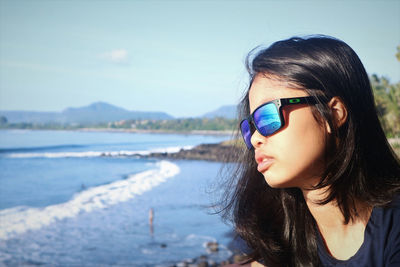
{"type": "Point", "coordinates": [268, 118]}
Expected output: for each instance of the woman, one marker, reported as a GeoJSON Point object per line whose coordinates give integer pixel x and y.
{"type": "Point", "coordinates": [318, 184]}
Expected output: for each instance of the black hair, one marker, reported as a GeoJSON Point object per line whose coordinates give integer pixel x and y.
{"type": "Point", "coordinates": [360, 166]}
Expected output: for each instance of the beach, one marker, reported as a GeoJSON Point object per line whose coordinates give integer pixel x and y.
{"type": "Point", "coordinates": [83, 198]}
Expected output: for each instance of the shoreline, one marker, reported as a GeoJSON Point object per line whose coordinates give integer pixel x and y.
{"type": "Point", "coordinates": [111, 130]}
{"type": "Point", "coordinates": [194, 132]}
{"type": "Point", "coordinates": [236, 246]}
{"type": "Point", "coordinates": [220, 152]}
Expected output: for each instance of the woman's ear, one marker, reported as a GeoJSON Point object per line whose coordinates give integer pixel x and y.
{"type": "Point", "coordinates": [339, 112]}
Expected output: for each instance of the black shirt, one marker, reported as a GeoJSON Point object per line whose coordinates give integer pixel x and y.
{"type": "Point", "coordinates": [381, 246]}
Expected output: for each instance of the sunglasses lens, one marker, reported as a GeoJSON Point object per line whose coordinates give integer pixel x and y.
{"type": "Point", "coordinates": [267, 119]}
{"type": "Point", "coordinates": [246, 133]}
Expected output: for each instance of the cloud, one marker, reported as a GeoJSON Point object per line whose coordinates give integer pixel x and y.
{"type": "Point", "coordinates": [119, 56]}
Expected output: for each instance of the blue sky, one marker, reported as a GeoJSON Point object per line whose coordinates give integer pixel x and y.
{"type": "Point", "coordinates": [181, 57]}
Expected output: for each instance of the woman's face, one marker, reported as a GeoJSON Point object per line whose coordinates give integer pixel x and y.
{"type": "Point", "coordinates": [293, 156]}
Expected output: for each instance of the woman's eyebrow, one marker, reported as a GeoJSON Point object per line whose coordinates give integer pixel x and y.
{"type": "Point", "coordinates": [266, 100]}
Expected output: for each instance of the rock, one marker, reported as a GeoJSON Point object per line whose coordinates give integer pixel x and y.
{"type": "Point", "coordinates": [202, 264]}
{"type": "Point", "coordinates": [189, 260]}
{"type": "Point", "coordinates": [203, 258]}
{"type": "Point", "coordinates": [238, 258]}
{"type": "Point", "coordinates": [212, 246]}
{"type": "Point", "coordinates": [210, 152]}
{"type": "Point", "coordinates": [223, 263]}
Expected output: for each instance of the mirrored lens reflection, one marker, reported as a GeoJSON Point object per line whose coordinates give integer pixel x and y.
{"type": "Point", "coordinates": [246, 132]}
{"type": "Point", "coordinates": [267, 119]}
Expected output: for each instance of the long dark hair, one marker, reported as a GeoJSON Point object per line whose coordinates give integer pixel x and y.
{"type": "Point", "coordinates": [361, 166]}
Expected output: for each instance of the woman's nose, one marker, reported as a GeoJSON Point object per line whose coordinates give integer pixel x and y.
{"type": "Point", "coordinates": [257, 139]}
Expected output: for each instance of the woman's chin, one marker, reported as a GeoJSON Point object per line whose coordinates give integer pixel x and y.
{"type": "Point", "coordinates": [275, 181]}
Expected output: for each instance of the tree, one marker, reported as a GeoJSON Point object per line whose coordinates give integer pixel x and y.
{"type": "Point", "coordinates": [387, 100]}
{"type": "Point", "coordinates": [3, 120]}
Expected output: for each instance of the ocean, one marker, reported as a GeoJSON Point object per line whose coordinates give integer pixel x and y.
{"type": "Point", "coordinates": [82, 198]}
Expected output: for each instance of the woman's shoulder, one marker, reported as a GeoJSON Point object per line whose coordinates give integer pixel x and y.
{"type": "Point", "coordinates": [389, 213]}
{"type": "Point", "coordinates": [391, 234]}
{"type": "Point", "coordinates": [392, 205]}
{"type": "Point", "coordinates": [385, 224]}
{"type": "Point", "coordinates": [396, 202]}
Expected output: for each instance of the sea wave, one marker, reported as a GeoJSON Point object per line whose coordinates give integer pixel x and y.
{"type": "Point", "coordinates": [15, 221]}
{"type": "Point", "coordinates": [38, 148]}
{"type": "Point", "coordinates": [88, 154]}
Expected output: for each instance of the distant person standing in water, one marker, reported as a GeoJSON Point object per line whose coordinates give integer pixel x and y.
{"type": "Point", "coordinates": [151, 218]}
{"type": "Point", "coordinates": [319, 183]}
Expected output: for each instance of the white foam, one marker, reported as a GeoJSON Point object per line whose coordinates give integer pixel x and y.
{"type": "Point", "coordinates": [18, 220]}
{"type": "Point", "coordinates": [90, 154]}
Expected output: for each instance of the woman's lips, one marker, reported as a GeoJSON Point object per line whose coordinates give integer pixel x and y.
{"type": "Point", "coordinates": [264, 164]}
{"type": "Point", "coordinates": [263, 161]}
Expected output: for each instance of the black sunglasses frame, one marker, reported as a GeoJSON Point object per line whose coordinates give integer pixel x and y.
{"type": "Point", "coordinates": [279, 103]}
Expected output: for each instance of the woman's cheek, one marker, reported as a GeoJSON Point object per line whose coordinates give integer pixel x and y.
{"type": "Point", "coordinates": [296, 164]}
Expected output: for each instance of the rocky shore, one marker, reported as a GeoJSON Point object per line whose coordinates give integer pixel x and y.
{"type": "Point", "coordinates": [204, 261]}
{"type": "Point", "coordinates": [213, 247]}
{"type": "Point", "coordinates": [222, 152]}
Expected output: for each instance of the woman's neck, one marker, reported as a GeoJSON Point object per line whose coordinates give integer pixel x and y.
{"type": "Point", "coordinates": [342, 240]}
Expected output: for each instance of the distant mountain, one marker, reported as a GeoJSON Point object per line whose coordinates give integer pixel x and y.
{"type": "Point", "coordinates": [95, 113]}
{"type": "Point", "coordinates": [30, 116]}
{"type": "Point", "coordinates": [228, 112]}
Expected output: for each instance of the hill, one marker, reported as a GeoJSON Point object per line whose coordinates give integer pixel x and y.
{"type": "Point", "coordinates": [98, 112]}
{"type": "Point", "coordinates": [228, 112]}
